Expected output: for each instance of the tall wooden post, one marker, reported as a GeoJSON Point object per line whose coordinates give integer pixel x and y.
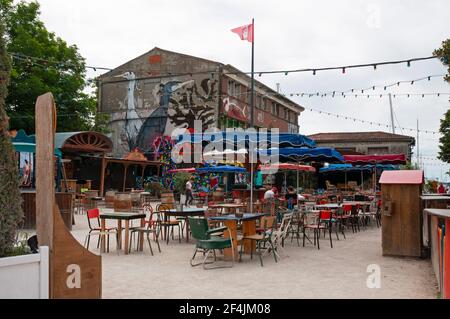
{"type": "Point", "coordinates": [45, 181]}
{"type": "Point", "coordinates": [74, 272]}
{"type": "Point", "coordinates": [124, 176]}
{"type": "Point", "coordinates": [102, 176]}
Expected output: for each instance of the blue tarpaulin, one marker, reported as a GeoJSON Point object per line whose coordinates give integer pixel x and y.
{"type": "Point", "coordinates": [302, 154]}
{"type": "Point", "coordinates": [349, 167]}
{"type": "Point", "coordinates": [237, 137]}
{"type": "Point", "coordinates": [221, 169]}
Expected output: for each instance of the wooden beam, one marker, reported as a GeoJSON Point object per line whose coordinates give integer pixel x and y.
{"type": "Point", "coordinates": [45, 168]}
{"type": "Point", "coordinates": [124, 177]}
{"type": "Point", "coordinates": [102, 175]}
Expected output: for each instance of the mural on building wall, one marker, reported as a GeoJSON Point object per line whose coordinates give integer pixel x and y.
{"type": "Point", "coordinates": [133, 122]}
{"type": "Point", "coordinates": [177, 104]}
{"type": "Point", "coordinates": [233, 110]}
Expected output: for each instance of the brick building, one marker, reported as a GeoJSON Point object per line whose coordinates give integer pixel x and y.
{"type": "Point", "coordinates": [369, 143]}
{"type": "Point", "coordinates": [160, 90]}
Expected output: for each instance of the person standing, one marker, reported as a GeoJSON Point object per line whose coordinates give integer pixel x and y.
{"type": "Point", "coordinates": [26, 174]}
{"type": "Point", "coordinates": [189, 196]}
{"type": "Point", "coordinates": [441, 189]}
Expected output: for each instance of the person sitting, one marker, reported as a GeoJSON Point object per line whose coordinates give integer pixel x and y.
{"type": "Point", "coordinates": [270, 193]}
{"type": "Point", "coordinates": [291, 197]}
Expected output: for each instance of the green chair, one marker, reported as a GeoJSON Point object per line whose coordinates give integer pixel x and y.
{"type": "Point", "coordinates": [206, 242]}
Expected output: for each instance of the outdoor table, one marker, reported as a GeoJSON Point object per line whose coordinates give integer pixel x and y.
{"type": "Point", "coordinates": [328, 206]}
{"type": "Point", "coordinates": [227, 206]}
{"type": "Point", "coordinates": [126, 216]}
{"type": "Point", "coordinates": [185, 213]}
{"type": "Point", "coordinates": [248, 228]}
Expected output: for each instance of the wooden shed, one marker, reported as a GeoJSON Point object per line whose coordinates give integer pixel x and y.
{"type": "Point", "coordinates": [401, 216]}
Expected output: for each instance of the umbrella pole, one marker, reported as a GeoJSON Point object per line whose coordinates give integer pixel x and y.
{"type": "Point", "coordinates": [298, 177]}
{"type": "Point", "coordinates": [362, 180]}
{"type": "Point", "coordinates": [251, 188]}
{"type": "Point", "coordinates": [345, 173]}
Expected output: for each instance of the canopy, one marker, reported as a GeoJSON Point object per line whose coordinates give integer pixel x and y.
{"type": "Point", "coordinates": [221, 169]}
{"type": "Point", "coordinates": [286, 167]}
{"type": "Point", "coordinates": [187, 170]}
{"type": "Point", "coordinates": [30, 148]}
{"type": "Point", "coordinates": [376, 159]}
{"type": "Point", "coordinates": [303, 154]}
{"type": "Point", "coordinates": [237, 137]}
{"type": "Point", "coordinates": [349, 167]}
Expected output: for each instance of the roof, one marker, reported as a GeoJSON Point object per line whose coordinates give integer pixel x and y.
{"type": "Point", "coordinates": [376, 136]}
{"type": "Point", "coordinates": [83, 142]}
{"type": "Point", "coordinates": [402, 177]}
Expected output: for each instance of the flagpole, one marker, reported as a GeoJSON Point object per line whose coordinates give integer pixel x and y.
{"type": "Point", "coordinates": [252, 114]}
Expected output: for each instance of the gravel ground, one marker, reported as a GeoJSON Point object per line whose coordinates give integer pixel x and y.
{"type": "Point", "coordinates": [305, 272]}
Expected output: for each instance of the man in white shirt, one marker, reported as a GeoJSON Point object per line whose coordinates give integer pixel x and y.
{"type": "Point", "coordinates": [270, 193]}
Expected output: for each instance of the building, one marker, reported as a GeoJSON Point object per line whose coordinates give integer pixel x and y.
{"type": "Point", "coordinates": [160, 90]}
{"type": "Point", "coordinates": [366, 143]}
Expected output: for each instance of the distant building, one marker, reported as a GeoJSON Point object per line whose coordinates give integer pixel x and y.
{"type": "Point", "coordinates": [160, 90]}
{"type": "Point", "coordinates": [366, 142]}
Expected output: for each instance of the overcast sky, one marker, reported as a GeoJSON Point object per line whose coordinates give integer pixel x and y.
{"type": "Point", "coordinates": [288, 35]}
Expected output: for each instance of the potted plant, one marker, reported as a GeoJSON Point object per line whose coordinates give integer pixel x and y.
{"type": "Point", "coordinates": [179, 184]}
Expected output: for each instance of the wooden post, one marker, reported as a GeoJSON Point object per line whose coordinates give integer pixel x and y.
{"type": "Point", "coordinates": [124, 177]}
{"type": "Point", "coordinates": [74, 272]}
{"type": "Point", "coordinates": [102, 175]}
{"type": "Point", "coordinates": [45, 171]}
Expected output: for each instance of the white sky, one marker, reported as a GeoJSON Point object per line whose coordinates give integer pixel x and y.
{"type": "Point", "coordinates": [288, 35]}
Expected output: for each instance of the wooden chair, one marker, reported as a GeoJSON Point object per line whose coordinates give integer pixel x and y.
{"type": "Point", "coordinates": [166, 224]}
{"type": "Point", "coordinates": [263, 240]}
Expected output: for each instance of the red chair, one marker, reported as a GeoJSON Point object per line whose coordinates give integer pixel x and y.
{"type": "Point", "coordinates": [94, 214]}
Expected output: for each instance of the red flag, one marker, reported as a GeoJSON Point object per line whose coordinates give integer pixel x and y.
{"type": "Point", "coordinates": [245, 32]}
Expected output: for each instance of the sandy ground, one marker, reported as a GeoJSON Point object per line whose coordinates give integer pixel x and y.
{"type": "Point", "coordinates": [339, 272]}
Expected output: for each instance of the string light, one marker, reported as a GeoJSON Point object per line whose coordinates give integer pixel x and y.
{"type": "Point", "coordinates": [346, 117]}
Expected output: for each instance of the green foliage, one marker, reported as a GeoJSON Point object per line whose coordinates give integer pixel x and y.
{"type": "Point", "coordinates": [444, 142]}
{"type": "Point", "coordinates": [45, 63]}
{"type": "Point", "coordinates": [179, 181]}
{"type": "Point", "coordinates": [444, 55]}
{"type": "Point", "coordinates": [11, 213]}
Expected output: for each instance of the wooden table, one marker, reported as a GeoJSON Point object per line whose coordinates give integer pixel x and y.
{"type": "Point", "coordinates": [328, 206]}
{"type": "Point", "coordinates": [227, 206]}
{"type": "Point", "coordinates": [248, 229]}
{"type": "Point", "coordinates": [126, 216]}
{"type": "Point", "coordinates": [185, 213]}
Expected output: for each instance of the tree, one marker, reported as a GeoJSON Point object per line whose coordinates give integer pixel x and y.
{"type": "Point", "coordinates": [43, 62]}
{"type": "Point", "coordinates": [444, 142]}
{"type": "Point", "coordinates": [11, 213]}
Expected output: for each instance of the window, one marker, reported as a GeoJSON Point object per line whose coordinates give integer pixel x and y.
{"type": "Point", "coordinates": [263, 103]}
{"type": "Point", "coordinates": [231, 88]}
{"type": "Point", "coordinates": [237, 90]}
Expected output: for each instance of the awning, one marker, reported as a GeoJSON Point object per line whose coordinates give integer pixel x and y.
{"type": "Point", "coordinates": [395, 159]}
{"type": "Point", "coordinates": [30, 148]}
{"type": "Point", "coordinates": [350, 168]}
{"type": "Point", "coordinates": [221, 169]}
{"type": "Point", "coordinates": [302, 154]}
{"type": "Point", "coordinates": [237, 138]}
{"type": "Point", "coordinates": [285, 167]}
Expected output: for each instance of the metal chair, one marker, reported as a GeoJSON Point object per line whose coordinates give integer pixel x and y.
{"type": "Point", "coordinates": [207, 243]}
{"type": "Point", "coordinates": [149, 228]}
{"type": "Point", "coordinates": [95, 215]}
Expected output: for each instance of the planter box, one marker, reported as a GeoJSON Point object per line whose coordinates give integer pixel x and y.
{"type": "Point", "coordinates": [25, 277]}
